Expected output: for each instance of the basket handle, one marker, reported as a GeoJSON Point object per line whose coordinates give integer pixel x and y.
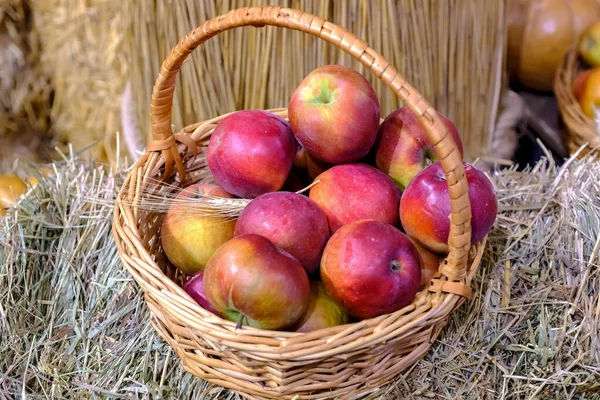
{"type": "Point", "coordinates": [459, 240]}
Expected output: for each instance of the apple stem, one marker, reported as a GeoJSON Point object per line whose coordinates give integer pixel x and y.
{"type": "Point", "coordinates": [395, 265]}
{"type": "Point", "coordinates": [308, 187]}
{"type": "Point", "coordinates": [240, 320]}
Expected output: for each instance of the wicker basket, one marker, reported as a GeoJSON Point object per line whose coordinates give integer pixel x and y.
{"type": "Point", "coordinates": [348, 361]}
{"type": "Point", "coordinates": [580, 129]}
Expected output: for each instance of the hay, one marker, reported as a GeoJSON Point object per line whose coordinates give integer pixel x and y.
{"type": "Point", "coordinates": [83, 56]}
{"type": "Point", "coordinates": [24, 90]}
{"type": "Point", "coordinates": [73, 323]}
{"type": "Point", "coordinates": [451, 51]}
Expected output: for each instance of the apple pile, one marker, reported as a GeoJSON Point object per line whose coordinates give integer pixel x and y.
{"type": "Point", "coordinates": [361, 242]}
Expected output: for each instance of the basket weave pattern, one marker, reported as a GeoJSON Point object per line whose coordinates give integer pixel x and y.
{"type": "Point", "coordinates": [580, 129]}
{"type": "Point", "coordinates": [343, 361]}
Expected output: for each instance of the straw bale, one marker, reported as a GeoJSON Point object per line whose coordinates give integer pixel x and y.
{"type": "Point", "coordinates": [24, 90]}
{"type": "Point", "coordinates": [73, 323]}
{"type": "Point", "coordinates": [452, 51]}
{"type": "Point", "coordinates": [82, 54]}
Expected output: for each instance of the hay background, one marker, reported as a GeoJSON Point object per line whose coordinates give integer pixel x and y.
{"type": "Point", "coordinates": [82, 54]}
{"type": "Point", "coordinates": [25, 93]}
{"type": "Point", "coordinates": [73, 323]}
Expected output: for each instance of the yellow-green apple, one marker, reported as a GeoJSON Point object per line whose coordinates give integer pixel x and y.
{"type": "Point", "coordinates": [430, 264]}
{"type": "Point", "coordinates": [253, 282]}
{"type": "Point", "coordinates": [370, 268]}
{"type": "Point", "coordinates": [194, 286]}
{"type": "Point", "coordinates": [351, 192]}
{"type": "Point", "coordinates": [251, 152]}
{"type": "Point", "coordinates": [291, 221]}
{"type": "Point", "coordinates": [334, 114]}
{"type": "Point", "coordinates": [403, 149]}
{"type": "Point", "coordinates": [322, 311]}
{"type": "Point", "coordinates": [189, 234]}
{"type": "Point", "coordinates": [425, 207]}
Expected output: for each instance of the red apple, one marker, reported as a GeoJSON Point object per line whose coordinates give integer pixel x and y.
{"type": "Point", "coordinates": [251, 153]}
{"type": "Point", "coordinates": [194, 286]}
{"type": "Point", "coordinates": [403, 148]}
{"type": "Point", "coordinates": [351, 192]}
{"type": "Point", "coordinates": [425, 207]}
{"type": "Point", "coordinates": [322, 311]}
{"type": "Point", "coordinates": [252, 281]}
{"type": "Point", "coordinates": [334, 114]}
{"type": "Point", "coordinates": [291, 221]}
{"type": "Point", "coordinates": [189, 235]}
{"type": "Point", "coordinates": [370, 268]}
{"type": "Point", "coordinates": [430, 264]}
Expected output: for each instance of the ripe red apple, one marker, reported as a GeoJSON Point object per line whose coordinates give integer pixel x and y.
{"type": "Point", "coordinates": [322, 311]}
{"type": "Point", "coordinates": [189, 235]}
{"type": "Point", "coordinates": [194, 286]}
{"type": "Point", "coordinates": [425, 207]}
{"type": "Point", "coordinates": [334, 114]}
{"type": "Point", "coordinates": [252, 281]}
{"type": "Point", "coordinates": [291, 221]}
{"type": "Point", "coordinates": [351, 192]}
{"type": "Point", "coordinates": [430, 264]}
{"type": "Point", "coordinates": [403, 148]}
{"type": "Point", "coordinates": [370, 268]}
{"type": "Point", "coordinates": [251, 153]}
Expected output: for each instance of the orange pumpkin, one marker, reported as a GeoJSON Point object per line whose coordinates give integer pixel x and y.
{"type": "Point", "coordinates": [539, 34]}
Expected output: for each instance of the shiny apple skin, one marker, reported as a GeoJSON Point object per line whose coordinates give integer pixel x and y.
{"type": "Point", "coordinates": [292, 221]}
{"type": "Point", "coordinates": [370, 268]}
{"type": "Point", "coordinates": [351, 192]}
{"type": "Point", "coordinates": [251, 152]}
{"type": "Point", "coordinates": [403, 148]}
{"type": "Point", "coordinates": [334, 114]}
{"type": "Point", "coordinates": [425, 207]}
{"type": "Point", "coordinates": [252, 279]}
{"type": "Point", "coordinates": [190, 236]}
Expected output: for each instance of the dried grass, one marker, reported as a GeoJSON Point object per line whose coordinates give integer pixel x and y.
{"type": "Point", "coordinates": [73, 323]}
{"type": "Point", "coordinates": [452, 51]}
